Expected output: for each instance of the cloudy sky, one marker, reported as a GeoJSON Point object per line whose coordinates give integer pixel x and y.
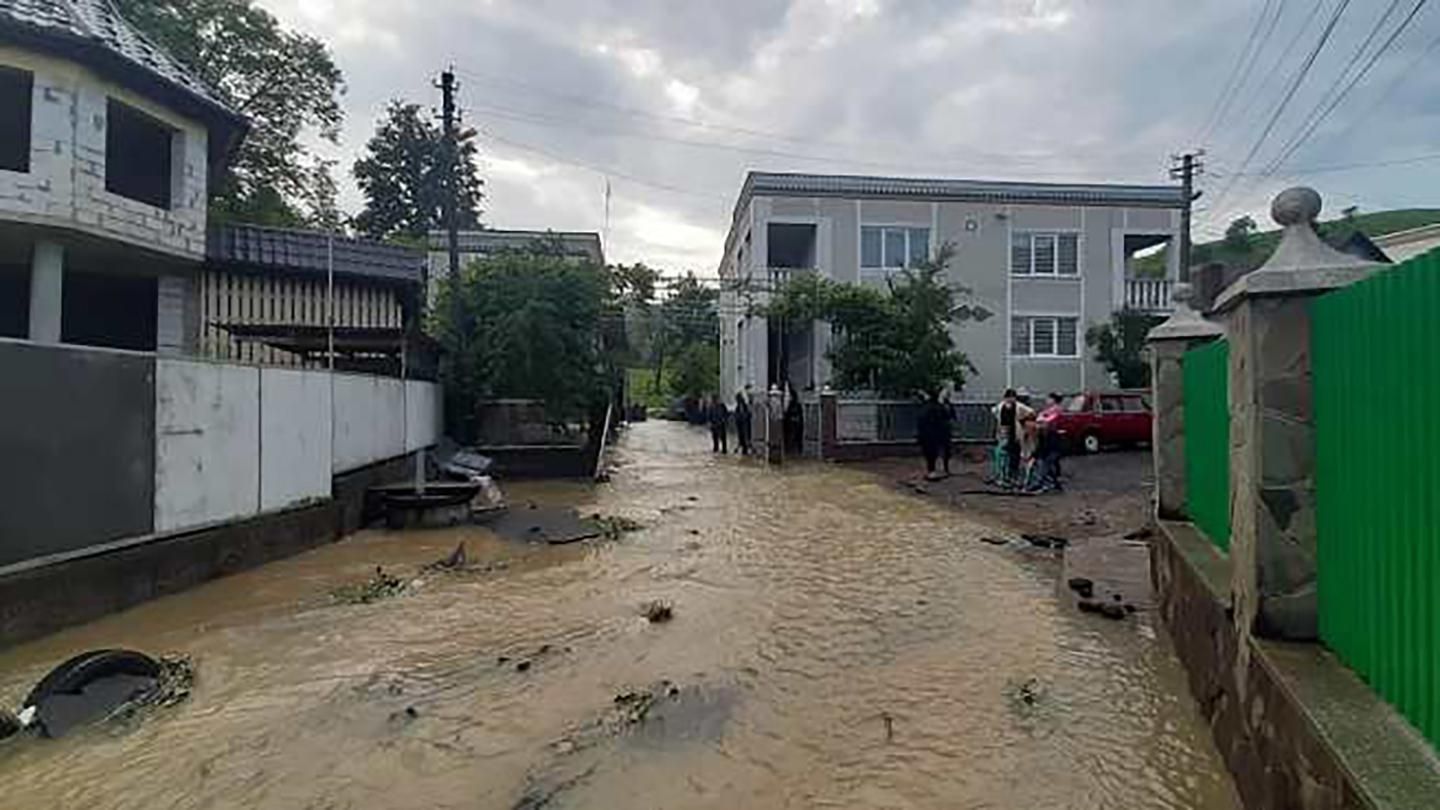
{"type": "Point", "coordinates": [671, 102]}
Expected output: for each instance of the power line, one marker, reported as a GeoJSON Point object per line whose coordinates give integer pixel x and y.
{"type": "Point", "coordinates": [1345, 167]}
{"type": "Point", "coordinates": [1274, 70]}
{"type": "Point", "coordinates": [1227, 90]}
{"type": "Point", "coordinates": [1304, 135]}
{"type": "Point", "coordinates": [1295, 83]}
{"type": "Point", "coordinates": [603, 170]}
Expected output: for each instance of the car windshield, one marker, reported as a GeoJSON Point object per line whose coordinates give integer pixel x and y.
{"type": "Point", "coordinates": [1077, 404]}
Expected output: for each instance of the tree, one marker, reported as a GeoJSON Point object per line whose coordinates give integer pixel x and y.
{"type": "Point", "coordinates": [532, 325]}
{"type": "Point", "coordinates": [1237, 235]}
{"type": "Point", "coordinates": [696, 370]}
{"type": "Point", "coordinates": [1119, 344]}
{"type": "Point", "coordinates": [688, 317]}
{"type": "Point", "coordinates": [897, 341]}
{"type": "Point", "coordinates": [403, 176]}
{"type": "Point", "coordinates": [284, 82]}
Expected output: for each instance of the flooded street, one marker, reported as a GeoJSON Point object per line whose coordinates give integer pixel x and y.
{"type": "Point", "coordinates": [835, 644]}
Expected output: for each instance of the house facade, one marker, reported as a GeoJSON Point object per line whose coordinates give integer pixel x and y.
{"type": "Point", "coordinates": [1041, 263]}
{"type": "Point", "coordinates": [173, 401]}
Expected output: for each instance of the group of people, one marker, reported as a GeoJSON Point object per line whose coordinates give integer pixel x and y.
{"type": "Point", "coordinates": [1028, 446]}
{"type": "Point", "coordinates": [719, 418]}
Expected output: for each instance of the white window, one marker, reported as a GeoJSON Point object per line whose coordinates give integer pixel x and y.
{"type": "Point", "coordinates": [893, 247]}
{"type": "Point", "coordinates": [1044, 336]}
{"type": "Point", "coordinates": [1037, 253]}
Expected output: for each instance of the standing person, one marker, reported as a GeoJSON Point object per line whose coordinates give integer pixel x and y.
{"type": "Point", "coordinates": [719, 417]}
{"type": "Point", "coordinates": [927, 432]}
{"type": "Point", "coordinates": [1051, 446]}
{"type": "Point", "coordinates": [1010, 416]}
{"type": "Point", "coordinates": [946, 429]}
{"type": "Point", "coordinates": [794, 422]}
{"type": "Point", "coordinates": [742, 424]}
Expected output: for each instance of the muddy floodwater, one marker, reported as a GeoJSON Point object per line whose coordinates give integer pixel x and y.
{"type": "Point", "coordinates": [834, 644]}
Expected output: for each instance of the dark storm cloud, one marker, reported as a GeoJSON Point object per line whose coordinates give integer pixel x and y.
{"type": "Point", "coordinates": [1035, 89]}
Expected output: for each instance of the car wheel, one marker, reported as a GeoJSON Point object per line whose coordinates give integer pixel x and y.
{"type": "Point", "coordinates": [1092, 443]}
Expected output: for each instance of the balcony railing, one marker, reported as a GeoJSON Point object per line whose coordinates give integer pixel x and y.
{"type": "Point", "coordinates": [1148, 294]}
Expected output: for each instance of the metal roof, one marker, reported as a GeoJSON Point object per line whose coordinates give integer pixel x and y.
{"type": "Point", "coordinates": [93, 32]}
{"type": "Point", "coordinates": [487, 240]}
{"type": "Point", "coordinates": [291, 250]}
{"type": "Point", "coordinates": [992, 191]}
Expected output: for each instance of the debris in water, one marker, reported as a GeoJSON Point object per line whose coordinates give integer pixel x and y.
{"type": "Point", "coordinates": [995, 541]}
{"type": "Point", "coordinates": [889, 721]}
{"type": "Point", "coordinates": [1082, 586]}
{"type": "Point", "coordinates": [379, 586]}
{"type": "Point", "coordinates": [1026, 695]}
{"type": "Point", "coordinates": [455, 561]}
{"type": "Point", "coordinates": [1142, 533]}
{"type": "Point", "coordinates": [10, 725]}
{"type": "Point", "coordinates": [522, 666]}
{"type": "Point", "coordinates": [1110, 610]}
{"type": "Point", "coordinates": [1045, 540]}
{"type": "Point", "coordinates": [1086, 517]}
{"type": "Point", "coordinates": [658, 611]}
{"type": "Point", "coordinates": [612, 526]}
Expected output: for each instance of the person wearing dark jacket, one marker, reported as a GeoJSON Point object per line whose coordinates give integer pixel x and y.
{"type": "Point", "coordinates": [931, 431]}
{"type": "Point", "coordinates": [719, 419]}
{"type": "Point", "coordinates": [742, 424]}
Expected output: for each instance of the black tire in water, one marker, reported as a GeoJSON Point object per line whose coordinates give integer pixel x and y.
{"type": "Point", "coordinates": [72, 676]}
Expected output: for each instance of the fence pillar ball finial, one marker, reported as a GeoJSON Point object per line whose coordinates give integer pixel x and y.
{"type": "Point", "coordinates": [1184, 322]}
{"type": "Point", "coordinates": [1296, 206]}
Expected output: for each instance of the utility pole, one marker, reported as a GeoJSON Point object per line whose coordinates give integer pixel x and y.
{"type": "Point", "coordinates": [452, 159]}
{"type": "Point", "coordinates": [1185, 168]}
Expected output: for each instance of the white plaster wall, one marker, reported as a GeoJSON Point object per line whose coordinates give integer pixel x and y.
{"type": "Point", "coordinates": [369, 420]}
{"type": "Point", "coordinates": [422, 414]}
{"type": "Point", "coordinates": [65, 186]}
{"type": "Point", "coordinates": [207, 437]}
{"type": "Point", "coordinates": [295, 453]}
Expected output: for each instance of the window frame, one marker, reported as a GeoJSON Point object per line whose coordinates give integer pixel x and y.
{"type": "Point", "coordinates": [1054, 319]}
{"type": "Point", "coordinates": [25, 122]}
{"type": "Point", "coordinates": [1056, 235]}
{"type": "Point", "coordinates": [908, 251]}
{"type": "Point", "coordinates": [173, 139]}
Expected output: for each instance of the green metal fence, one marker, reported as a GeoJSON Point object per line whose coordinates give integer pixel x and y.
{"type": "Point", "coordinates": [1207, 440]}
{"type": "Point", "coordinates": [1376, 360]}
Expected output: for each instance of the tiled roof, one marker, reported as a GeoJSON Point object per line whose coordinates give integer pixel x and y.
{"type": "Point", "coordinates": [839, 185]}
{"type": "Point", "coordinates": [96, 27]}
{"type": "Point", "coordinates": [290, 250]}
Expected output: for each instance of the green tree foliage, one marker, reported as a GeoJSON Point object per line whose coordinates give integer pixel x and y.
{"type": "Point", "coordinates": [687, 331]}
{"type": "Point", "coordinates": [895, 341]}
{"type": "Point", "coordinates": [696, 370]}
{"type": "Point", "coordinates": [403, 176]}
{"type": "Point", "coordinates": [284, 82]}
{"type": "Point", "coordinates": [1238, 233]}
{"type": "Point", "coordinates": [533, 325]}
{"type": "Point", "coordinates": [1119, 344]}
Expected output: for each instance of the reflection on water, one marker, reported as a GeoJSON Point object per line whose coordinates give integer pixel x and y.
{"type": "Point", "coordinates": [834, 645]}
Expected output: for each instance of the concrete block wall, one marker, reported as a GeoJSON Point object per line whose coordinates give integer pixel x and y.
{"type": "Point", "coordinates": [65, 186]}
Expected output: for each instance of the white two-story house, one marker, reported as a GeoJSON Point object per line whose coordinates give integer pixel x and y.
{"type": "Point", "coordinates": [1041, 261]}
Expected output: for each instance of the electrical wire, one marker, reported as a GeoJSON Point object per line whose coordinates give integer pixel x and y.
{"type": "Point", "coordinates": [1227, 91]}
{"type": "Point", "coordinates": [1296, 142]}
{"type": "Point", "coordinates": [1296, 81]}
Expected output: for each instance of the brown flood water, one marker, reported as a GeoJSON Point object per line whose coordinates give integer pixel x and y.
{"type": "Point", "coordinates": [814, 608]}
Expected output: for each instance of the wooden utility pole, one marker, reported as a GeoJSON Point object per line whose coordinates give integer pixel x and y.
{"type": "Point", "coordinates": [1186, 167]}
{"type": "Point", "coordinates": [452, 170]}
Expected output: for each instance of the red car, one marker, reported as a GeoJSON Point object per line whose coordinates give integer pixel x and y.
{"type": "Point", "coordinates": [1092, 421]}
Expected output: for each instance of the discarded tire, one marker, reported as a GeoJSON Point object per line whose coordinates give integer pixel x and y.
{"type": "Point", "coordinates": [75, 674]}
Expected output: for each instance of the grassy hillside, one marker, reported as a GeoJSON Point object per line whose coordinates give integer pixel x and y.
{"type": "Point", "coordinates": [1262, 243]}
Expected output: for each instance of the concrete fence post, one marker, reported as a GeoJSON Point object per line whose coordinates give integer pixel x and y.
{"type": "Point", "coordinates": [1168, 342]}
{"type": "Point", "coordinates": [829, 422]}
{"type": "Point", "coordinates": [775, 425]}
{"type": "Point", "coordinates": [1272, 442]}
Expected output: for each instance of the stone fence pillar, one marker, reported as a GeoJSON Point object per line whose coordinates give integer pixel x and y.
{"type": "Point", "coordinates": [1272, 443]}
{"type": "Point", "coordinates": [1168, 343]}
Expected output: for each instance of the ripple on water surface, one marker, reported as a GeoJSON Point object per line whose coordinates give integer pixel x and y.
{"type": "Point", "coordinates": [835, 644]}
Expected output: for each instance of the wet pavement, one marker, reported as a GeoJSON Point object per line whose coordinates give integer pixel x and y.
{"type": "Point", "coordinates": [834, 644]}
